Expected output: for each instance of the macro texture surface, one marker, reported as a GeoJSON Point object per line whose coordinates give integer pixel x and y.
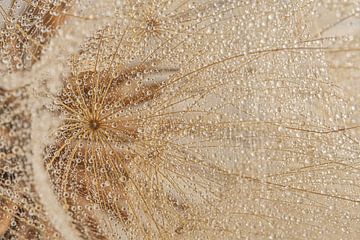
{"type": "Point", "coordinates": [178, 119]}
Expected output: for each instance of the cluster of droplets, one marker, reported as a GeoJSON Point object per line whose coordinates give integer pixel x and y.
{"type": "Point", "coordinates": [193, 120]}
{"type": "Point", "coordinates": [25, 28]}
{"type": "Point", "coordinates": [22, 215]}
{"type": "Point", "coordinates": [164, 150]}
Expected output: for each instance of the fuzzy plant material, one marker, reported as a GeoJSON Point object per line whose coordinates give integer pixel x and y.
{"type": "Point", "coordinates": [179, 119]}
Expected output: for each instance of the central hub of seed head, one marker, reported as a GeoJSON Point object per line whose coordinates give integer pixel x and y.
{"type": "Point", "coordinates": [94, 124]}
{"type": "Point", "coordinates": [151, 24]}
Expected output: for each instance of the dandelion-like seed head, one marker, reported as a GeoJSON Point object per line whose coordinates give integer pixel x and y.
{"type": "Point", "coordinates": [202, 119]}
{"type": "Point", "coordinates": [25, 29]}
